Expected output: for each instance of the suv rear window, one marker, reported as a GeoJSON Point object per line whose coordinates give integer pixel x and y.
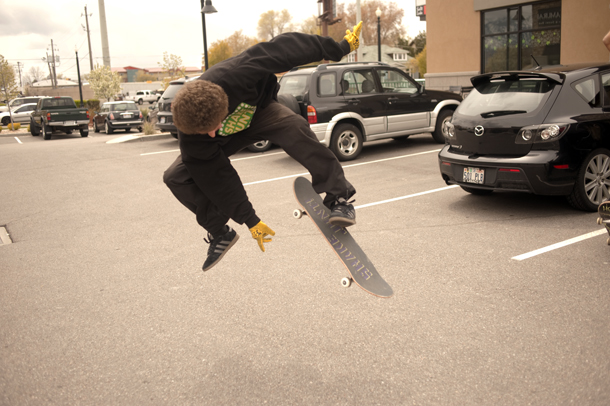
{"type": "Point", "coordinates": [123, 106]}
{"type": "Point", "coordinates": [295, 85]}
{"type": "Point", "coordinates": [506, 96]}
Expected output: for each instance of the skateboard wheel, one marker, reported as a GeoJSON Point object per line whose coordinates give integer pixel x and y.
{"type": "Point", "coordinates": [608, 241]}
{"type": "Point", "coordinates": [346, 282]}
{"type": "Point", "coordinates": [600, 221]}
{"type": "Point", "coordinates": [297, 214]}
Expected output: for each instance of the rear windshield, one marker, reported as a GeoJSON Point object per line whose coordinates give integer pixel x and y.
{"type": "Point", "coordinates": [123, 106]}
{"type": "Point", "coordinates": [294, 85]}
{"type": "Point", "coordinates": [171, 90]}
{"type": "Point", "coordinates": [506, 96]}
{"type": "Point", "coordinates": [58, 103]}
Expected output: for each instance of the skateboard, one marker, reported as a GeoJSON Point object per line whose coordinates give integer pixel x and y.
{"type": "Point", "coordinates": [604, 217]}
{"type": "Point", "coordinates": [361, 269]}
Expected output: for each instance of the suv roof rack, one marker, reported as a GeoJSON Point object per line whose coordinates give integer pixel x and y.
{"type": "Point", "coordinates": [325, 65]}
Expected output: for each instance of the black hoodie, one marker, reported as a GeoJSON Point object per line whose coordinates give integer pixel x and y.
{"type": "Point", "coordinates": [250, 82]}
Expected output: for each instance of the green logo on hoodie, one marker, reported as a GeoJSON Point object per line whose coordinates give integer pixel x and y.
{"type": "Point", "coordinates": [237, 121]}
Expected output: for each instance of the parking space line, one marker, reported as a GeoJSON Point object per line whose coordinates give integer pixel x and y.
{"type": "Point", "coordinates": [559, 245]}
{"type": "Point", "coordinates": [160, 152]}
{"type": "Point", "coordinates": [406, 197]}
{"type": "Point", "coordinates": [18, 140]}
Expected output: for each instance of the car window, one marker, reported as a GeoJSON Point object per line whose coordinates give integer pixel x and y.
{"type": "Point", "coordinates": [24, 109]}
{"type": "Point", "coordinates": [606, 86]}
{"type": "Point", "coordinates": [358, 82]}
{"type": "Point", "coordinates": [295, 85]}
{"type": "Point", "coordinates": [123, 106]}
{"type": "Point", "coordinates": [517, 96]}
{"type": "Point", "coordinates": [327, 84]}
{"type": "Point", "coordinates": [588, 90]}
{"type": "Point", "coordinates": [393, 81]}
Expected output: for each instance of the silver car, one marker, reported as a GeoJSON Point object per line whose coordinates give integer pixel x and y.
{"type": "Point", "coordinates": [21, 114]}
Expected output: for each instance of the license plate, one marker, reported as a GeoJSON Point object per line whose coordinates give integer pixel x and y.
{"type": "Point", "coordinates": [126, 115]}
{"type": "Point", "coordinates": [162, 120]}
{"type": "Point", "coordinates": [69, 122]}
{"type": "Point", "coordinates": [474, 175]}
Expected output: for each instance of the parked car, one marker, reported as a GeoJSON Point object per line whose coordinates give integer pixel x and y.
{"type": "Point", "coordinates": [58, 114]}
{"type": "Point", "coordinates": [165, 120]}
{"type": "Point", "coordinates": [348, 104]}
{"type": "Point", "coordinates": [14, 103]}
{"type": "Point", "coordinates": [20, 114]}
{"type": "Point", "coordinates": [142, 96]}
{"type": "Point", "coordinates": [544, 131]}
{"type": "Point", "coordinates": [118, 115]}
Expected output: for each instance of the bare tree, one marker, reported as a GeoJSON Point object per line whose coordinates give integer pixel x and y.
{"type": "Point", "coordinates": [310, 26]}
{"type": "Point", "coordinates": [238, 42]}
{"type": "Point", "coordinates": [33, 75]}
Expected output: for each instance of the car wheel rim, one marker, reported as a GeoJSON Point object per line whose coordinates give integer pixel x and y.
{"type": "Point", "coordinates": [261, 144]}
{"type": "Point", "coordinates": [597, 179]}
{"type": "Point", "coordinates": [347, 143]}
{"type": "Point", "coordinates": [444, 127]}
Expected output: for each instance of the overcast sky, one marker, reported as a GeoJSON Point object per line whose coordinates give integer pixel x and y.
{"type": "Point", "coordinates": [138, 31]}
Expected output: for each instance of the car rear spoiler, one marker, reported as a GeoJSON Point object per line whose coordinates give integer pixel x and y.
{"type": "Point", "coordinates": [515, 75]}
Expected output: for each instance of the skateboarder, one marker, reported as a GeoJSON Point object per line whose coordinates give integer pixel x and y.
{"type": "Point", "coordinates": [234, 104]}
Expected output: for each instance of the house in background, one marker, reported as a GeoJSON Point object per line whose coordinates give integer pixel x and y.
{"type": "Point", "coordinates": [393, 56]}
{"type": "Point", "coordinates": [469, 37]}
{"type": "Point", "coordinates": [130, 73]}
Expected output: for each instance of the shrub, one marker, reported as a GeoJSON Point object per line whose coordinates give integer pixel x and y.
{"type": "Point", "coordinates": [149, 128]}
{"type": "Point", "coordinates": [14, 126]}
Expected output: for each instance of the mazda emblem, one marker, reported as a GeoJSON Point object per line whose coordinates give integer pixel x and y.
{"type": "Point", "coordinates": [479, 130]}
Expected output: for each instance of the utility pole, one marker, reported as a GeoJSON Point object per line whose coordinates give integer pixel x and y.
{"type": "Point", "coordinates": [105, 48]}
{"type": "Point", "coordinates": [48, 60]}
{"type": "Point", "coordinates": [88, 37]}
{"type": "Point", "coordinates": [19, 69]}
{"type": "Point", "coordinates": [54, 72]}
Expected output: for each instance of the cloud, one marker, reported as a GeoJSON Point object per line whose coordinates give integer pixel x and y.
{"type": "Point", "coordinates": [21, 19]}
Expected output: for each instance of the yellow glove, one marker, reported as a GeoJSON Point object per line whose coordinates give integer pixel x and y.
{"type": "Point", "coordinates": [353, 37]}
{"type": "Point", "coordinates": [259, 232]}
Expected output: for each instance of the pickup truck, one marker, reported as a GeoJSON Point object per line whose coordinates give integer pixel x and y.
{"type": "Point", "coordinates": [142, 96]}
{"type": "Point", "coordinates": [58, 114]}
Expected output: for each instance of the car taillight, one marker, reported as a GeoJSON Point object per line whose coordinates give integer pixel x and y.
{"type": "Point", "coordinates": [87, 114]}
{"type": "Point", "coordinates": [541, 133]}
{"type": "Point", "coordinates": [48, 116]}
{"type": "Point", "coordinates": [312, 115]}
{"type": "Point", "coordinates": [140, 114]}
{"type": "Point", "coordinates": [111, 115]}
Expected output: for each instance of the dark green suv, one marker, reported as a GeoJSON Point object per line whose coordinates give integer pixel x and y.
{"type": "Point", "coordinates": [347, 104]}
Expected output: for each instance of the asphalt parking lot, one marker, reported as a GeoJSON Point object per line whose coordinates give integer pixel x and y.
{"type": "Point", "coordinates": [498, 300]}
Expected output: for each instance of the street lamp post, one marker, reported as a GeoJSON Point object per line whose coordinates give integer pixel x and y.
{"type": "Point", "coordinates": [80, 85]}
{"type": "Point", "coordinates": [378, 14]}
{"type": "Point", "coordinates": [206, 8]}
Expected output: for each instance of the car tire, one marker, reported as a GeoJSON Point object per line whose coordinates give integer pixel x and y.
{"type": "Point", "coordinates": [46, 131]}
{"type": "Point", "coordinates": [95, 127]}
{"type": "Point", "coordinates": [289, 101]}
{"type": "Point", "coordinates": [84, 133]}
{"type": "Point", "coordinates": [140, 129]}
{"type": "Point", "coordinates": [260, 146]}
{"type": "Point", "coordinates": [346, 142]}
{"type": "Point", "coordinates": [34, 130]}
{"type": "Point", "coordinates": [140, 102]}
{"type": "Point", "coordinates": [592, 185]}
{"type": "Point", "coordinates": [476, 191]}
{"type": "Point", "coordinates": [6, 120]}
{"type": "Point", "coordinates": [107, 127]}
{"type": "Point", "coordinates": [440, 131]}
{"type": "Point", "coordinates": [128, 130]}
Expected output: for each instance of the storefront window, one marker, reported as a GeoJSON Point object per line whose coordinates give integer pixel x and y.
{"type": "Point", "coordinates": [512, 35]}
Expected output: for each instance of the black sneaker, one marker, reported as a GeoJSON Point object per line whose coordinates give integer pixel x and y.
{"type": "Point", "coordinates": [342, 213]}
{"type": "Point", "coordinates": [219, 247]}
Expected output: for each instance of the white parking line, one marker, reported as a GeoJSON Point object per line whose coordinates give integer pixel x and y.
{"type": "Point", "coordinates": [160, 152]}
{"type": "Point", "coordinates": [406, 197]}
{"type": "Point", "coordinates": [559, 245]}
{"type": "Point", "coordinates": [344, 167]}
{"type": "Point", "coordinates": [18, 140]}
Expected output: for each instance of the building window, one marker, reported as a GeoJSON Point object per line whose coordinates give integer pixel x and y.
{"type": "Point", "coordinates": [351, 57]}
{"type": "Point", "coordinates": [512, 35]}
{"type": "Point", "coordinates": [400, 57]}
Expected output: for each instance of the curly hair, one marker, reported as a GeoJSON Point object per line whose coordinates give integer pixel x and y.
{"type": "Point", "coordinates": [199, 107]}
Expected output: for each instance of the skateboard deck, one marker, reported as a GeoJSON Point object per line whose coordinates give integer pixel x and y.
{"type": "Point", "coordinates": [361, 269]}
{"type": "Point", "coordinates": [604, 217]}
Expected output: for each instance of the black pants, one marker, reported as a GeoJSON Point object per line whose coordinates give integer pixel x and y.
{"type": "Point", "coordinates": [282, 127]}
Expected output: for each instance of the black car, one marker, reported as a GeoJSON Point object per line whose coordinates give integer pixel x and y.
{"type": "Point", "coordinates": [350, 103]}
{"type": "Point", "coordinates": [165, 120]}
{"type": "Point", "coordinates": [545, 131]}
{"type": "Point", "coordinates": [118, 115]}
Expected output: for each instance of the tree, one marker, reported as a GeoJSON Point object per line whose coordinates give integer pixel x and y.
{"type": "Point", "coordinates": [310, 26]}
{"type": "Point", "coordinates": [104, 83]}
{"type": "Point", "coordinates": [391, 22]}
{"type": "Point", "coordinates": [421, 62]}
{"type": "Point", "coordinates": [413, 46]}
{"type": "Point", "coordinates": [142, 76]}
{"type": "Point", "coordinates": [8, 82]}
{"type": "Point", "coordinates": [238, 42]}
{"type": "Point", "coordinates": [219, 51]}
{"type": "Point", "coordinates": [172, 66]}
{"type": "Point", "coordinates": [273, 23]}
{"type": "Point", "coordinates": [33, 75]}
